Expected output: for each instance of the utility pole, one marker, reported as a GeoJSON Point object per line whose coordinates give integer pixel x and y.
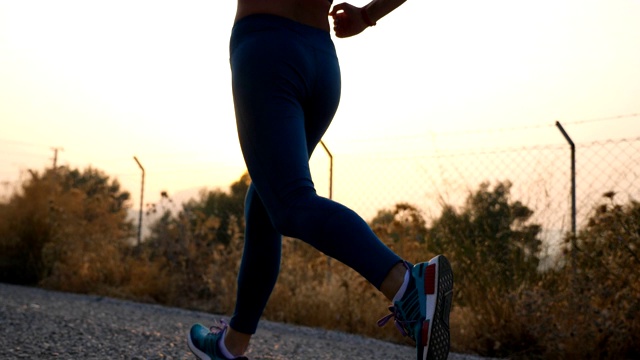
{"type": "Point", "coordinates": [55, 156]}
{"type": "Point", "coordinates": [141, 202]}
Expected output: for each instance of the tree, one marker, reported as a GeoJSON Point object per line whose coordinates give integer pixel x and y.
{"type": "Point", "coordinates": [60, 225]}
{"type": "Point", "coordinates": [403, 229]}
{"type": "Point", "coordinates": [213, 219]}
{"type": "Point", "coordinates": [227, 208]}
{"type": "Point", "coordinates": [590, 308]}
{"type": "Point", "coordinates": [606, 281]}
{"type": "Point", "coordinates": [489, 240]}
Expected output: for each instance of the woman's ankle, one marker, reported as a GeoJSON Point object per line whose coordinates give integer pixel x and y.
{"type": "Point", "coordinates": [394, 280]}
{"type": "Point", "coordinates": [235, 342]}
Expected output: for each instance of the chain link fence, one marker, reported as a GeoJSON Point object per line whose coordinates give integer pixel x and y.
{"type": "Point", "coordinates": [540, 176]}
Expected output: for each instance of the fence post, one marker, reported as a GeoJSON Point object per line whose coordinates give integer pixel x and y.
{"type": "Point", "coordinates": [330, 197]}
{"type": "Point", "coordinates": [330, 168]}
{"type": "Point", "coordinates": [573, 190]}
{"type": "Point", "coordinates": [573, 177]}
{"type": "Point", "coordinates": [141, 201]}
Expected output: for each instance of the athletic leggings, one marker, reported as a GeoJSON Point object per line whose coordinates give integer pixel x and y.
{"type": "Point", "coordinates": [286, 90]}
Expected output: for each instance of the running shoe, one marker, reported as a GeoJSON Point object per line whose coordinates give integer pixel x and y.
{"type": "Point", "coordinates": [203, 342]}
{"type": "Point", "coordinates": [423, 312]}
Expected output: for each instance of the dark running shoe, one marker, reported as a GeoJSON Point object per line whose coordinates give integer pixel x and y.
{"type": "Point", "coordinates": [203, 342]}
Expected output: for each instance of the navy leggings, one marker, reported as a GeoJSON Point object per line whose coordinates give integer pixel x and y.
{"type": "Point", "coordinates": [286, 90]}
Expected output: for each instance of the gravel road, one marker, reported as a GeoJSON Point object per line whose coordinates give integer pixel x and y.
{"type": "Point", "coordinates": [36, 323]}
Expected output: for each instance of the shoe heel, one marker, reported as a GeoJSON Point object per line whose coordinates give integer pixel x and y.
{"type": "Point", "coordinates": [430, 279]}
{"type": "Point", "coordinates": [424, 341]}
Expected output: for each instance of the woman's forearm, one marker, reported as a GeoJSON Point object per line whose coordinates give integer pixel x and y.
{"type": "Point", "coordinates": [377, 9]}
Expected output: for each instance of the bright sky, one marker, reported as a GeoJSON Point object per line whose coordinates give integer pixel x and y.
{"type": "Point", "coordinates": [107, 80]}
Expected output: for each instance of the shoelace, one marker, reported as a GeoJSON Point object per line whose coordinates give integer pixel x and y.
{"type": "Point", "coordinates": [401, 325]}
{"type": "Point", "coordinates": [219, 327]}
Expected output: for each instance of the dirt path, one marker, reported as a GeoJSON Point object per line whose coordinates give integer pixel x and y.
{"type": "Point", "coordinates": [36, 323]}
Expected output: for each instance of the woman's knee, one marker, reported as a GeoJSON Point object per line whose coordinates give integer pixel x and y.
{"type": "Point", "coordinates": [299, 215]}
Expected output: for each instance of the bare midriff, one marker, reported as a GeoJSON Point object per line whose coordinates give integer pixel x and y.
{"type": "Point", "coordinates": [309, 12]}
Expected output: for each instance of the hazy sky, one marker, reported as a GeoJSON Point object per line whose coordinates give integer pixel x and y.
{"type": "Point", "coordinates": [107, 80]}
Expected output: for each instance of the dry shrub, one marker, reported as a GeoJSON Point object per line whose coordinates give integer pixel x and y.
{"type": "Point", "coordinates": [67, 229]}
{"type": "Point", "coordinates": [25, 228]}
{"type": "Point", "coordinates": [587, 309]}
{"type": "Point", "coordinates": [492, 324]}
{"type": "Point", "coordinates": [594, 301]}
{"type": "Point", "coordinates": [86, 249]}
{"type": "Point", "coordinates": [147, 281]}
{"type": "Point", "coordinates": [603, 285]}
{"type": "Point", "coordinates": [200, 272]}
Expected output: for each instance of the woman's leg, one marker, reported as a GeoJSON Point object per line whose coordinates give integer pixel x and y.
{"type": "Point", "coordinates": [286, 85]}
{"type": "Point", "coordinates": [259, 266]}
{"type": "Point", "coordinates": [286, 90]}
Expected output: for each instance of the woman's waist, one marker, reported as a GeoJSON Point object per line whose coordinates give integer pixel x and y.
{"type": "Point", "coordinates": [314, 13]}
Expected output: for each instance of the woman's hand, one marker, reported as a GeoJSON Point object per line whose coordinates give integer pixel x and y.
{"type": "Point", "coordinates": [347, 20]}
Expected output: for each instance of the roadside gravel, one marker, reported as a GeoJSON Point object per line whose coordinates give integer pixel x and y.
{"type": "Point", "coordinates": [36, 323]}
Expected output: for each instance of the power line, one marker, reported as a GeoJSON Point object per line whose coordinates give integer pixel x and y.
{"type": "Point", "coordinates": [21, 154]}
{"type": "Point", "coordinates": [550, 124]}
{"type": "Point", "coordinates": [617, 117]}
{"type": "Point", "coordinates": [537, 126]}
{"type": "Point", "coordinates": [490, 131]}
{"type": "Point", "coordinates": [24, 143]}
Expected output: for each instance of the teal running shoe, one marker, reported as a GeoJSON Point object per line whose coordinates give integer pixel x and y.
{"type": "Point", "coordinates": [203, 342]}
{"type": "Point", "coordinates": [423, 312]}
